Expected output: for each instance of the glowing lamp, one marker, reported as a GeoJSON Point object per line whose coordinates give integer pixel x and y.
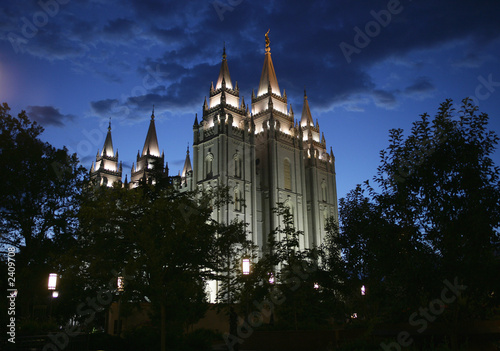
{"type": "Point", "coordinates": [55, 294]}
{"type": "Point", "coordinates": [246, 266]}
{"type": "Point", "coordinates": [52, 281]}
{"type": "Point", "coordinates": [363, 290]}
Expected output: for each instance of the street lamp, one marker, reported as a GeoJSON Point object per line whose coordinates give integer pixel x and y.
{"type": "Point", "coordinates": [52, 281]}
{"type": "Point", "coordinates": [246, 266]}
{"type": "Point", "coordinates": [363, 290]}
{"type": "Point", "coordinates": [52, 287]}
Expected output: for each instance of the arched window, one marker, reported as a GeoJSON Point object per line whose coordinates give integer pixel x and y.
{"type": "Point", "coordinates": [209, 165]}
{"type": "Point", "coordinates": [287, 172]}
{"type": "Point", "coordinates": [105, 181]}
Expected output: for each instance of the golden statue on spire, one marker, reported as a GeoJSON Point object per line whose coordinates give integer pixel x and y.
{"type": "Point", "coordinates": [267, 41]}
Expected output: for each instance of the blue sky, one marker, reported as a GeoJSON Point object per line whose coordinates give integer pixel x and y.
{"type": "Point", "coordinates": [73, 64]}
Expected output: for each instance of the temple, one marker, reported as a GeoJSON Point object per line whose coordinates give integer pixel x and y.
{"type": "Point", "coordinates": [260, 151]}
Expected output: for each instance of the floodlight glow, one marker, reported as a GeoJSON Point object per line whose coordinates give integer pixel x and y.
{"type": "Point", "coordinates": [55, 294]}
{"type": "Point", "coordinates": [316, 286]}
{"type": "Point", "coordinates": [52, 281]}
{"type": "Point", "coordinates": [271, 278]}
{"type": "Point", "coordinates": [363, 290]}
{"type": "Point", "coordinates": [246, 266]}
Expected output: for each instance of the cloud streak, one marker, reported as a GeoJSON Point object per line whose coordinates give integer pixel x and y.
{"type": "Point", "coordinates": [49, 115]}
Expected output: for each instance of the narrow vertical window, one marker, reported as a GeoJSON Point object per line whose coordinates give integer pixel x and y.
{"type": "Point", "coordinates": [208, 165]}
{"type": "Point", "coordinates": [237, 166]}
{"type": "Point", "coordinates": [323, 191]}
{"type": "Point", "coordinates": [237, 199]}
{"type": "Point", "coordinates": [287, 172]}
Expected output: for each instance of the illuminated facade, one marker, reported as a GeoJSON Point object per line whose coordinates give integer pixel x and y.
{"type": "Point", "coordinates": [260, 151]}
{"type": "Point", "coordinates": [265, 157]}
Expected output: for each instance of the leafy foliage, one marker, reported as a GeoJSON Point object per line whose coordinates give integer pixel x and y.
{"type": "Point", "coordinates": [433, 215]}
{"type": "Point", "coordinates": [39, 199]}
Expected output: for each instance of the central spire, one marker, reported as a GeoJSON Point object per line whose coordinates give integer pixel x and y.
{"type": "Point", "coordinates": [306, 118]}
{"type": "Point", "coordinates": [268, 76]}
{"type": "Point", "coordinates": [224, 72]}
{"type": "Point", "coordinates": [107, 149]}
{"type": "Point", "coordinates": [151, 143]}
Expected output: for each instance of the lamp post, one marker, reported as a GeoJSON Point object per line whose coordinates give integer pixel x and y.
{"type": "Point", "coordinates": [120, 287]}
{"type": "Point", "coordinates": [51, 286]}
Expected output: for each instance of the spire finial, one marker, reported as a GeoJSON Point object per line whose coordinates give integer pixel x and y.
{"type": "Point", "coordinates": [268, 48]}
{"type": "Point", "coordinates": [305, 93]}
{"type": "Point", "coordinates": [153, 113]}
{"type": "Point", "coordinates": [109, 125]}
{"type": "Point", "coordinates": [224, 51]}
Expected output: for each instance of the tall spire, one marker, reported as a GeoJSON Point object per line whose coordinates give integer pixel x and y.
{"type": "Point", "coordinates": [187, 164]}
{"type": "Point", "coordinates": [151, 143]}
{"type": "Point", "coordinates": [306, 118]}
{"type": "Point", "coordinates": [268, 76]}
{"type": "Point", "coordinates": [107, 149]}
{"type": "Point", "coordinates": [224, 72]}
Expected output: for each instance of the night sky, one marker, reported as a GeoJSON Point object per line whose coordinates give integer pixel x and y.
{"type": "Point", "coordinates": [368, 66]}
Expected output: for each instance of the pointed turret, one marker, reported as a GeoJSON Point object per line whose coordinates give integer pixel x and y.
{"type": "Point", "coordinates": [268, 76]}
{"type": "Point", "coordinates": [187, 165]}
{"type": "Point", "coordinates": [224, 73]}
{"type": "Point", "coordinates": [107, 149]}
{"type": "Point", "coordinates": [151, 143]}
{"type": "Point", "coordinates": [306, 118]}
{"type": "Point", "coordinates": [105, 169]}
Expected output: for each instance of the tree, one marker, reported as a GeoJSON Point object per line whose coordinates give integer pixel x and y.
{"type": "Point", "coordinates": [38, 202]}
{"type": "Point", "coordinates": [162, 238]}
{"type": "Point", "coordinates": [442, 182]}
{"type": "Point", "coordinates": [434, 216]}
{"type": "Point", "coordinates": [296, 276]}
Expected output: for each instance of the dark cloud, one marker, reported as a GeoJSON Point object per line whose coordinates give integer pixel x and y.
{"type": "Point", "coordinates": [120, 28]}
{"type": "Point", "coordinates": [421, 86]}
{"type": "Point", "coordinates": [102, 107]}
{"type": "Point", "coordinates": [48, 115]}
{"type": "Point", "coordinates": [182, 43]}
{"type": "Point", "coordinates": [384, 99]}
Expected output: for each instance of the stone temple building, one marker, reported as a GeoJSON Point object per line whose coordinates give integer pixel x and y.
{"type": "Point", "coordinates": [259, 150]}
